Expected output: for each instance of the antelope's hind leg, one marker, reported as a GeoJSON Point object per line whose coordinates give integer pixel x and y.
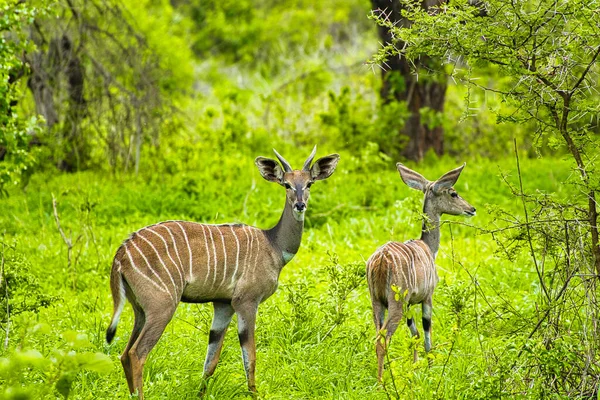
{"type": "Point", "coordinates": [378, 317]}
{"type": "Point", "coordinates": [153, 326]}
{"type": "Point", "coordinates": [140, 319]}
{"type": "Point", "coordinates": [390, 325]}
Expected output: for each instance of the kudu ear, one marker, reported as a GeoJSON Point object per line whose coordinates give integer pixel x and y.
{"type": "Point", "coordinates": [269, 169]}
{"type": "Point", "coordinates": [411, 178]}
{"type": "Point", "coordinates": [324, 167]}
{"type": "Point", "coordinates": [448, 180]}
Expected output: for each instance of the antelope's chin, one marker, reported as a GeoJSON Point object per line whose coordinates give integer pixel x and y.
{"type": "Point", "coordinates": [470, 213]}
{"type": "Point", "coordinates": [299, 215]}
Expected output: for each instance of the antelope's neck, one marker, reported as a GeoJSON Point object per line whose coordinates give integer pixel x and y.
{"type": "Point", "coordinates": [430, 233]}
{"type": "Point", "coordinates": [287, 234]}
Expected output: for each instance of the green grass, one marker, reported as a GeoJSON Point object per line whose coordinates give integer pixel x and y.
{"type": "Point", "coordinates": [305, 347]}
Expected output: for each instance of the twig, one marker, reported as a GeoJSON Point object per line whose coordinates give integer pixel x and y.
{"type": "Point", "coordinates": [446, 363]}
{"type": "Point", "coordinates": [3, 279]}
{"type": "Point", "coordinates": [67, 241]}
{"type": "Point", "coordinates": [537, 269]}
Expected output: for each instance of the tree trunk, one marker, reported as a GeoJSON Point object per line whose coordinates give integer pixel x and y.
{"type": "Point", "coordinates": [425, 91]}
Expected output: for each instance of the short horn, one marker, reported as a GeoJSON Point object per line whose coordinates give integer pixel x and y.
{"type": "Point", "coordinates": [286, 165]}
{"type": "Point", "coordinates": [309, 159]}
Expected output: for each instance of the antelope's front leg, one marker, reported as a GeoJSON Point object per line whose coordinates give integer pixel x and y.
{"type": "Point", "coordinates": [223, 312]}
{"type": "Point", "coordinates": [246, 312]}
{"type": "Point", "coordinates": [427, 307]}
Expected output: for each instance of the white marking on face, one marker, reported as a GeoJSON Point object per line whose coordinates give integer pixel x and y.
{"type": "Point", "coordinates": [298, 215]}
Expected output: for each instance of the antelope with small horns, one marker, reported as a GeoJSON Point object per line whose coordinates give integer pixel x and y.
{"type": "Point", "coordinates": [409, 267]}
{"type": "Point", "coordinates": [234, 266]}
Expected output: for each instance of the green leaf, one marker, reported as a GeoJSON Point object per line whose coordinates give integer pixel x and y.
{"type": "Point", "coordinates": [97, 362]}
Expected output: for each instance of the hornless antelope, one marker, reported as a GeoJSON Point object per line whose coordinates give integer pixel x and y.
{"type": "Point", "coordinates": [410, 266]}
{"type": "Point", "coordinates": [234, 266]}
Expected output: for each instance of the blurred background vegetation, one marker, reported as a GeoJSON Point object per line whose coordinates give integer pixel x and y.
{"type": "Point", "coordinates": [119, 114]}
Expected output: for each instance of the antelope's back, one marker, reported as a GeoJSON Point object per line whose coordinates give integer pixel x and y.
{"type": "Point", "coordinates": [410, 266]}
{"type": "Point", "coordinates": [192, 262]}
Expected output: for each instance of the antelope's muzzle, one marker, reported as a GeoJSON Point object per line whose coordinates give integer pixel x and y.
{"type": "Point", "coordinates": [300, 206]}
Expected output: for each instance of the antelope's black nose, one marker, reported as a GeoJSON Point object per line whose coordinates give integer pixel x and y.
{"type": "Point", "coordinates": [300, 206]}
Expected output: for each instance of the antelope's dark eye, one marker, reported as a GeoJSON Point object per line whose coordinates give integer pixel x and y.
{"type": "Point", "coordinates": [287, 185]}
{"type": "Point", "coordinates": [454, 194]}
{"type": "Point", "coordinates": [309, 184]}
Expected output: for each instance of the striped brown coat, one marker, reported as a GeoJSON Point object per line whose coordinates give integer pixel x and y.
{"type": "Point", "coordinates": [409, 267]}
{"type": "Point", "coordinates": [234, 266]}
{"type": "Point", "coordinates": [402, 274]}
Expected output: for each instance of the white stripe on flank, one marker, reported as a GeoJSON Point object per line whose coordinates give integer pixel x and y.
{"type": "Point", "coordinates": [153, 271]}
{"type": "Point", "coordinates": [248, 240]}
{"type": "Point", "coordinates": [175, 247]}
{"type": "Point", "coordinates": [188, 245]}
{"type": "Point", "coordinates": [224, 256]}
{"type": "Point", "coordinates": [412, 282]}
{"type": "Point", "coordinates": [161, 261]}
{"type": "Point", "coordinates": [410, 264]}
{"type": "Point", "coordinates": [430, 265]}
{"type": "Point", "coordinates": [212, 239]}
{"type": "Point", "coordinates": [177, 267]}
{"type": "Point", "coordinates": [398, 261]}
{"type": "Point", "coordinates": [237, 255]}
{"type": "Point", "coordinates": [399, 270]}
{"type": "Point", "coordinates": [207, 253]}
{"type": "Point", "coordinates": [251, 231]}
{"type": "Point", "coordinates": [140, 272]}
{"type": "Point", "coordinates": [251, 248]}
{"type": "Point", "coordinates": [423, 262]}
{"type": "Point", "coordinates": [257, 253]}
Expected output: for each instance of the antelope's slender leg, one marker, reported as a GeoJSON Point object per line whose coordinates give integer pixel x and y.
{"type": "Point", "coordinates": [427, 307]}
{"type": "Point", "coordinates": [223, 312]}
{"type": "Point", "coordinates": [155, 324]}
{"type": "Point", "coordinates": [390, 325]}
{"type": "Point", "coordinates": [393, 318]}
{"type": "Point", "coordinates": [414, 332]}
{"type": "Point", "coordinates": [378, 317]}
{"type": "Point", "coordinates": [138, 324]}
{"type": "Point", "coordinates": [246, 312]}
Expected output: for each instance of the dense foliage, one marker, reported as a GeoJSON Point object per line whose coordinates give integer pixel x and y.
{"type": "Point", "coordinates": [15, 127]}
{"type": "Point", "coordinates": [158, 108]}
{"type": "Point", "coordinates": [548, 52]}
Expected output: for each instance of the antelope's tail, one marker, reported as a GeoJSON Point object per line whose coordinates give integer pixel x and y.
{"type": "Point", "coordinates": [117, 287]}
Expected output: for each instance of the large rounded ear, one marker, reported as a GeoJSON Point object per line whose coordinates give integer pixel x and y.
{"type": "Point", "coordinates": [411, 178]}
{"type": "Point", "coordinates": [324, 167]}
{"type": "Point", "coordinates": [269, 169]}
{"type": "Point", "coordinates": [448, 180]}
